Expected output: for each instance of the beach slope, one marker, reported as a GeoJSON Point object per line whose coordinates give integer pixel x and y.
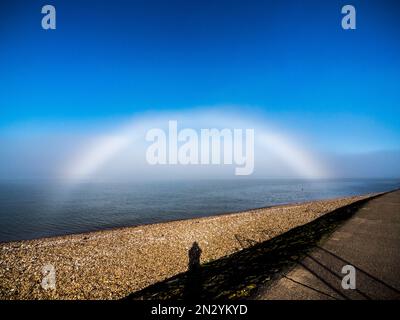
{"type": "Point", "coordinates": [111, 264]}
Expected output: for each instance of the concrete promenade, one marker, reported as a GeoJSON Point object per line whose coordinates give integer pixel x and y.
{"type": "Point", "coordinates": [369, 241]}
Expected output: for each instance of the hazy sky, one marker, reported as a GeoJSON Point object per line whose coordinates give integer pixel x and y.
{"type": "Point", "coordinates": [288, 64]}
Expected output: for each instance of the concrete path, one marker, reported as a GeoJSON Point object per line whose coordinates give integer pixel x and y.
{"type": "Point", "coordinates": [369, 241]}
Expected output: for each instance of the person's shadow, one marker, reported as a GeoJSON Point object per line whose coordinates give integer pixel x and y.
{"type": "Point", "coordinates": [193, 283]}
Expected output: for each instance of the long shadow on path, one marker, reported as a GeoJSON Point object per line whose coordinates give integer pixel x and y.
{"type": "Point", "coordinates": [239, 275]}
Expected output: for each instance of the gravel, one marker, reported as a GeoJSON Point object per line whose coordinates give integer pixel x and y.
{"type": "Point", "coordinates": [111, 264]}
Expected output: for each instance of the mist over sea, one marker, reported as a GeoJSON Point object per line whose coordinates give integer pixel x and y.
{"type": "Point", "coordinates": [34, 209]}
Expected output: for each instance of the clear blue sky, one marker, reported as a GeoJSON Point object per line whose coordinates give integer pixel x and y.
{"type": "Point", "coordinates": [123, 57]}
{"type": "Point", "coordinates": [120, 58]}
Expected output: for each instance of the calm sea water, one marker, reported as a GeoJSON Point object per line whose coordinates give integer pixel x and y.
{"type": "Point", "coordinates": [31, 209]}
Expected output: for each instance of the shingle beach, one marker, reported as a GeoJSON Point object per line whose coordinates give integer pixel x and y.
{"type": "Point", "coordinates": [111, 264]}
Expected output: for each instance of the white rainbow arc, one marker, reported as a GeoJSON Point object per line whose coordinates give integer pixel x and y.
{"type": "Point", "coordinates": [101, 151]}
{"type": "Point", "coordinates": [299, 160]}
{"type": "Point", "coordinates": [302, 162]}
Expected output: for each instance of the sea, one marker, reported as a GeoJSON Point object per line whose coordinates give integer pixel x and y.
{"type": "Point", "coordinates": [32, 209]}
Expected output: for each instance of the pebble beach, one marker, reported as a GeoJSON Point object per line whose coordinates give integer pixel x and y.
{"type": "Point", "coordinates": [111, 264]}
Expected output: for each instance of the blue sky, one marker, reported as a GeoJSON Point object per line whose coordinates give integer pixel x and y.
{"type": "Point", "coordinates": [289, 61]}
